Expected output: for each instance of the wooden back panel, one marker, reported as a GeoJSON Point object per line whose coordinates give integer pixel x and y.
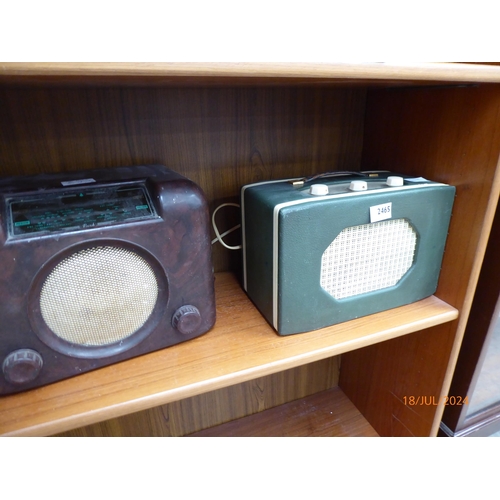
{"type": "Point", "coordinates": [221, 138]}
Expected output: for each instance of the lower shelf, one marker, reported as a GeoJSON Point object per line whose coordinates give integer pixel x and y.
{"type": "Point", "coordinates": [325, 414]}
{"type": "Point", "coordinates": [241, 347]}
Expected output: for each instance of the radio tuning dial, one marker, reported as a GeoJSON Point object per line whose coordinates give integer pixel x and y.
{"type": "Point", "coordinates": [318, 190]}
{"type": "Point", "coordinates": [358, 186]}
{"type": "Point", "coordinates": [186, 319]}
{"type": "Point", "coordinates": [394, 181]}
{"type": "Point", "coordinates": [22, 366]}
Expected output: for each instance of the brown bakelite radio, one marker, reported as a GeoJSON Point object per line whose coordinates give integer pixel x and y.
{"type": "Point", "coordinates": [97, 267]}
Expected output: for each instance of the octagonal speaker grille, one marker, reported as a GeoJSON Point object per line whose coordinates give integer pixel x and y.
{"type": "Point", "coordinates": [368, 257]}
{"type": "Point", "coordinates": [98, 296]}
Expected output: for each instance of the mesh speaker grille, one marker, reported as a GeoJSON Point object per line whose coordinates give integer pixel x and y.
{"type": "Point", "coordinates": [369, 257]}
{"type": "Point", "coordinates": [98, 296]}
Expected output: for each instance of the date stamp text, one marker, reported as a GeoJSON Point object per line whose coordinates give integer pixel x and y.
{"type": "Point", "coordinates": [435, 401]}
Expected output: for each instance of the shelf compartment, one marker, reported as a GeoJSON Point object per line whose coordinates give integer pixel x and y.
{"type": "Point", "coordinates": [324, 414]}
{"type": "Point", "coordinates": [241, 347]}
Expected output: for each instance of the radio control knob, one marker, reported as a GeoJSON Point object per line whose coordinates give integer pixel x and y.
{"type": "Point", "coordinates": [186, 319]}
{"type": "Point", "coordinates": [318, 190]}
{"type": "Point", "coordinates": [358, 186]}
{"type": "Point", "coordinates": [22, 366]}
{"type": "Point", "coordinates": [394, 181]}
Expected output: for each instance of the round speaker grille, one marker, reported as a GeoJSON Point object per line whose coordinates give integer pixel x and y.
{"type": "Point", "coordinates": [98, 296]}
{"type": "Point", "coordinates": [368, 257]}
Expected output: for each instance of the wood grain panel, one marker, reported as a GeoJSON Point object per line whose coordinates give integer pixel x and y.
{"type": "Point", "coordinates": [221, 138]}
{"type": "Point", "coordinates": [382, 378]}
{"type": "Point", "coordinates": [325, 414]}
{"type": "Point", "coordinates": [450, 135]}
{"type": "Point", "coordinates": [216, 407]}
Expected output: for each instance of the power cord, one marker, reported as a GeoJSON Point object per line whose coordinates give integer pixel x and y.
{"type": "Point", "coordinates": [220, 236]}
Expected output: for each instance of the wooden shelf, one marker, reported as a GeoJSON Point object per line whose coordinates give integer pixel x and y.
{"type": "Point", "coordinates": [241, 347]}
{"type": "Point", "coordinates": [324, 414]}
{"type": "Point", "coordinates": [171, 74]}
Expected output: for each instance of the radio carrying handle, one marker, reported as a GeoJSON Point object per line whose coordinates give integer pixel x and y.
{"type": "Point", "coordinates": [338, 173]}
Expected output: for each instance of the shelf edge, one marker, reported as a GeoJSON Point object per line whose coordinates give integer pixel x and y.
{"type": "Point", "coordinates": [86, 72]}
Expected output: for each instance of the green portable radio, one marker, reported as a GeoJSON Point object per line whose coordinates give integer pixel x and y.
{"type": "Point", "coordinates": [326, 249]}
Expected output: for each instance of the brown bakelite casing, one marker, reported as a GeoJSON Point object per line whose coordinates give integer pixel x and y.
{"type": "Point", "coordinates": [174, 241]}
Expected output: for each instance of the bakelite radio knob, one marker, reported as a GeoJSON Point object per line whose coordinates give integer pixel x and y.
{"type": "Point", "coordinates": [22, 366]}
{"type": "Point", "coordinates": [186, 319]}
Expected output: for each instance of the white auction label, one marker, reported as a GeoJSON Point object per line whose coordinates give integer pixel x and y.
{"type": "Point", "coordinates": [381, 212]}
